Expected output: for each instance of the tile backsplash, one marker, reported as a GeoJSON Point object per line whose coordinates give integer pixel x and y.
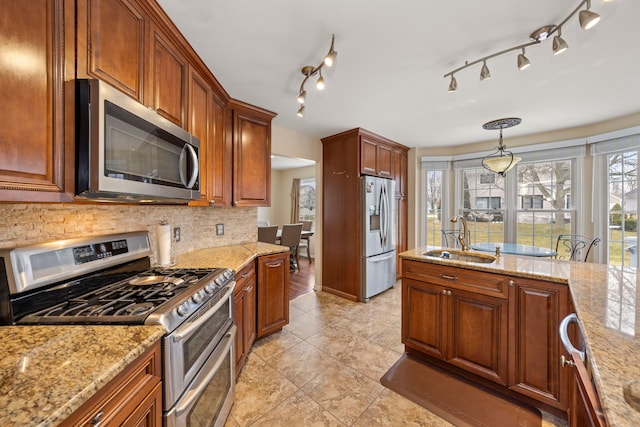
{"type": "Point", "coordinates": [24, 224]}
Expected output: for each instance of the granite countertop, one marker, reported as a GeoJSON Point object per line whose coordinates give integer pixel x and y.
{"type": "Point", "coordinates": [607, 303]}
{"type": "Point", "coordinates": [48, 372]}
{"type": "Point", "coordinates": [234, 257]}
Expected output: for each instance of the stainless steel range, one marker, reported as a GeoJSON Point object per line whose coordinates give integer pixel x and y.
{"type": "Point", "coordinates": [109, 280]}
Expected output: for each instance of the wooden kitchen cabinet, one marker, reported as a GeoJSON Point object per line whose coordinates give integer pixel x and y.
{"type": "Point", "coordinates": [244, 300]}
{"type": "Point", "coordinates": [36, 136]}
{"type": "Point", "coordinates": [251, 134]}
{"type": "Point", "coordinates": [538, 308]}
{"type": "Point", "coordinates": [399, 174]}
{"type": "Point", "coordinates": [272, 293]}
{"type": "Point", "coordinates": [133, 398]}
{"type": "Point", "coordinates": [457, 316]}
{"type": "Point", "coordinates": [346, 156]}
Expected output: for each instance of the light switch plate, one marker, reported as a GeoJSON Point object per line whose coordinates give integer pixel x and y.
{"type": "Point", "coordinates": [219, 229]}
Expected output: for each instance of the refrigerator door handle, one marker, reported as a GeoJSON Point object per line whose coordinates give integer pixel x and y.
{"type": "Point", "coordinates": [380, 259]}
{"type": "Point", "coordinates": [386, 223]}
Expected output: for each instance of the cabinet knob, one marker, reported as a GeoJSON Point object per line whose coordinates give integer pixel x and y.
{"type": "Point", "coordinates": [512, 283]}
{"type": "Point", "coordinates": [444, 292]}
{"type": "Point", "coordinates": [566, 362]}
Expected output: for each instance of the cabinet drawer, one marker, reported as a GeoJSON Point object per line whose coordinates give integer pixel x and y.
{"type": "Point", "coordinates": [457, 278]}
{"type": "Point", "coordinates": [245, 277]}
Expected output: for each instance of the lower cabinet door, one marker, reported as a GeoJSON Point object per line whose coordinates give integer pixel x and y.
{"type": "Point", "coordinates": [272, 293]}
{"type": "Point", "coordinates": [423, 317]}
{"type": "Point", "coordinates": [478, 335]}
{"type": "Point", "coordinates": [149, 412]}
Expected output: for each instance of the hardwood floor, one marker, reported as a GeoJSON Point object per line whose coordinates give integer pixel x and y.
{"type": "Point", "coordinates": [302, 281]}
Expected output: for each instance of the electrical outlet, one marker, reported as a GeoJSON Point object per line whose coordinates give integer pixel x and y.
{"type": "Point", "coordinates": [176, 234]}
{"type": "Point", "coordinates": [219, 229]}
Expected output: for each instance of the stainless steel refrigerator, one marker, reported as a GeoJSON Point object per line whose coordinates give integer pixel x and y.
{"type": "Point", "coordinates": [378, 248]}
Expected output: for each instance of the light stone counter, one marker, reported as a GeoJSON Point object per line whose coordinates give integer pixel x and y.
{"type": "Point", "coordinates": [47, 372]}
{"type": "Point", "coordinates": [607, 302]}
{"type": "Point", "coordinates": [234, 257]}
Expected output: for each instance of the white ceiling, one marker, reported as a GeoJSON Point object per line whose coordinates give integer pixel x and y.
{"type": "Point", "coordinates": [392, 56]}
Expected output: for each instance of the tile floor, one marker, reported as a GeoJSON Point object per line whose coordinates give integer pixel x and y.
{"type": "Point", "coordinates": [324, 369]}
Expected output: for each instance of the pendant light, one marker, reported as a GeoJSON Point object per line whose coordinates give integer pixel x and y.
{"type": "Point", "coordinates": [502, 160]}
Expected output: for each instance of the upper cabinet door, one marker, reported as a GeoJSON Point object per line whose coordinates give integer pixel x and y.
{"type": "Point", "coordinates": [35, 163]}
{"type": "Point", "coordinates": [168, 79]}
{"type": "Point", "coordinates": [114, 32]}
{"type": "Point", "coordinates": [251, 155]}
{"type": "Point", "coordinates": [200, 126]}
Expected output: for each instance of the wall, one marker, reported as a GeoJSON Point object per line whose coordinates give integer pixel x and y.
{"type": "Point", "coordinates": [23, 224]}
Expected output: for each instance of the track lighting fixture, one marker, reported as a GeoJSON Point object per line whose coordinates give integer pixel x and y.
{"type": "Point", "coordinates": [502, 160]}
{"type": "Point", "coordinates": [308, 71]}
{"type": "Point", "coordinates": [587, 20]}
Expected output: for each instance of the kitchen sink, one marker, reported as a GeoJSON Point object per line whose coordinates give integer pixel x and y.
{"type": "Point", "coordinates": [460, 255]}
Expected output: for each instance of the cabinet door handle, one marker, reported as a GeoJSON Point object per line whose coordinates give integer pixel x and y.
{"type": "Point", "coordinates": [245, 275]}
{"type": "Point", "coordinates": [566, 362]}
{"type": "Point", "coordinates": [274, 265]}
{"type": "Point", "coordinates": [512, 283]}
{"type": "Point", "coordinates": [446, 292]}
{"type": "Point", "coordinates": [446, 276]}
{"type": "Point", "coordinates": [96, 421]}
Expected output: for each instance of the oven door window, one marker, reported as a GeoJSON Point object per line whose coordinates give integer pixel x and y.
{"type": "Point", "coordinates": [208, 406]}
{"type": "Point", "coordinates": [139, 151]}
{"type": "Point", "coordinates": [211, 330]}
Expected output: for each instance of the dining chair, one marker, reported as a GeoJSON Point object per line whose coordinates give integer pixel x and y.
{"type": "Point", "coordinates": [304, 241]}
{"type": "Point", "coordinates": [291, 237]}
{"type": "Point", "coordinates": [450, 238]}
{"type": "Point", "coordinates": [575, 247]}
{"type": "Point", "coordinates": [268, 234]}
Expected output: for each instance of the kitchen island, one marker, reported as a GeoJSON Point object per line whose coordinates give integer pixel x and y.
{"type": "Point", "coordinates": [607, 303]}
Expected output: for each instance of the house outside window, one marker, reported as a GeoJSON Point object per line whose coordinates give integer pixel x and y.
{"type": "Point", "coordinates": [307, 200]}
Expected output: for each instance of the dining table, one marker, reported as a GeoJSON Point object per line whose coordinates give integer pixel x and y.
{"type": "Point", "coordinates": [305, 234]}
{"type": "Point", "coordinates": [514, 249]}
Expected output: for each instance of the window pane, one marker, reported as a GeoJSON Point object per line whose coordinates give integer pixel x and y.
{"type": "Point", "coordinates": [433, 204]}
{"type": "Point", "coordinates": [483, 198]}
{"type": "Point", "coordinates": [623, 214]}
{"type": "Point", "coordinates": [307, 201]}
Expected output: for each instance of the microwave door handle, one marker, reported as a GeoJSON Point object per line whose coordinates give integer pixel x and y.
{"type": "Point", "coordinates": [194, 160]}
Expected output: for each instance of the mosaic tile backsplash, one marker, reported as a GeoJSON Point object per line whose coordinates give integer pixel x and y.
{"type": "Point", "coordinates": [24, 224]}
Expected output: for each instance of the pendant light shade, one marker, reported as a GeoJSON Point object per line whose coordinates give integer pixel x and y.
{"type": "Point", "coordinates": [502, 160]}
{"type": "Point", "coordinates": [453, 86]}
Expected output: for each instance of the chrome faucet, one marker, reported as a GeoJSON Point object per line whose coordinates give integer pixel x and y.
{"type": "Point", "coordinates": [462, 236]}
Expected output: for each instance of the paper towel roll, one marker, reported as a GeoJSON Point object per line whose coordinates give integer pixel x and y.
{"type": "Point", "coordinates": [164, 244]}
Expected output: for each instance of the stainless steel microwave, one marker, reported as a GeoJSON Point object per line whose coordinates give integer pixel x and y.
{"type": "Point", "coordinates": [127, 152]}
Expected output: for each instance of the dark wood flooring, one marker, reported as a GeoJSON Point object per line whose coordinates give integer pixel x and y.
{"type": "Point", "coordinates": [302, 281]}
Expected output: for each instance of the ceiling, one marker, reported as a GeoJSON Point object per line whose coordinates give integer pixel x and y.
{"type": "Point", "coordinates": [392, 56]}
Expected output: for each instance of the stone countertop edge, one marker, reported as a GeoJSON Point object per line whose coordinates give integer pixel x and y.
{"type": "Point", "coordinates": [48, 372]}
{"type": "Point", "coordinates": [234, 257]}
{"type": "Point", "coordinates": [607, 303]}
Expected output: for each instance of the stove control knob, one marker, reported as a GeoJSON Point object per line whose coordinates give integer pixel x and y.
{"type": "Point", "coordinates": [209, 288]}
{"type": "Point", "coordinates": [197, 297]}
{"type": "Point", "coordinates": [219, 280]}
{"type": "Point", "coordinates": [183, 309]}
{"type": "Point", "coordinates": [228, 274]}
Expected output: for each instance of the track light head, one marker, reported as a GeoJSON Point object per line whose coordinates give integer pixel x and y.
{"type": "Point", "coordinates": [523, 61]}
{"type": "Point", "coordinates": [484, 72]}
{"type": "Point", "coordinates": [559, 45]}
{"type": "Point", "coordinates": [453, 85]}
{"type": "Point", "coordinates": [302, 96]}
{"type": "Point", "coordinates": [588, 19]}
{"type": "Point", "coordinates": [301, 111]}
{"type": "Point", "coordinates": [320, 83]}
{"type": "Point", "coordinates": [330, 58]}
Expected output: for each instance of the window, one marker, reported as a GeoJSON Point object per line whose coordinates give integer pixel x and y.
{"type": "Point", "coordinates": [307, 200]}
{"type": "Point", "coordinates": [532, 202]}
{"type": "Point", "coordinates": [433, 206]}
{"type": "Point", "coordinates": [487, 178]}
{"type": "Point", "coordinates": [542, 189]}
{"type": "Point", "coordinates": [481, 202]}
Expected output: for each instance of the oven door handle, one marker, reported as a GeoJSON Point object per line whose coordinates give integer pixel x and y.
{"type": "Point", "coordinates": [180, 335]}
{"type": "Point", "coordinates": [194, 393]}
